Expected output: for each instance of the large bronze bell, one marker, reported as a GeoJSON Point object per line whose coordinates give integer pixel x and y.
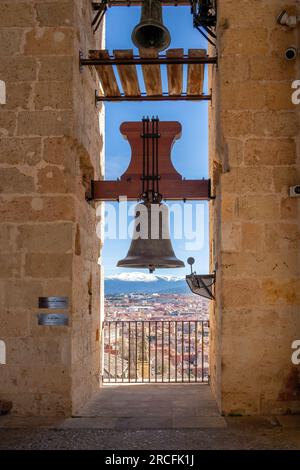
{"type": "Point", "coordinates": [150, 32]}
{"type": "Point", "coordinates": [151, 246]}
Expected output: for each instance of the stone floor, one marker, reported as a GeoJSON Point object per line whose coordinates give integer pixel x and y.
{"type": "Point", "coordinates": [152, 406]}
{"type": "Point", "coordinates": [151, 417]}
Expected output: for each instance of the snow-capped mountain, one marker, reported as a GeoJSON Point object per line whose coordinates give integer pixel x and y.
{"type": "Point", "coordinates": [139, 282]}
{"type": "Point", "coordinates": [143, 277]}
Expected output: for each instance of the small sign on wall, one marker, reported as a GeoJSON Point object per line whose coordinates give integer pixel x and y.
{"type": "Point", "coordinates": [53, 302]}
{"type": "Point", "coordinates": [53, 319]}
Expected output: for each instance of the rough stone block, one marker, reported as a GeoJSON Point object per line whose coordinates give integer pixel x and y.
{"type": "Point", "coordinates": [258, 14]}
{"type": "Point", "coordinates": [18, 95]}
{"type": "Point", "coordinates": [229, 207]}
{"type": "Point", "coordinates": [10, 265]}
{"type": "Point", "coordinates": [49, 41]}
{"type": "Point", "coordinates": [53, 95]}
{"type": "Point", "coordinates": [235, 149]}
{"type": "Point", "coordinates": [260, 265]}
{"type": "Point", "coordinates": [22, 294]}
{"type": "Point", "coordinates": [270, 152]}
{"type": "Point", "coordinates": [7, 123]}
{"type": "Point", "coordinates": [237, 124]}
{"type": "Point", "coordinates": [289, 209]}
{"type": "Point", "coordinates": [14, 324]}
{"type": "Point", "coordinates": [20, 151]}
{"type": "Point", "coordinates": [15, 69]}
{"type": "Point", "coordinates": [284, 177]}
{"type": "Point", "coordinates": [45, 238]}
{"type": "Point", "coordinates": [242, 95]}
{"type": "Point", "coordinates": [281, 39]}
{"type": "Point", "coordinates": [281, 292]}
{"type": "Point", "coordinates": [16, 14]}
{"type": "Point", "coordinates": [59, 287]}
{"type": "Point", "coordinates": [247, 180]}
{"type": "Point", "coordinates": [245, 41]}
{"type": "Point", "coordinates": [13, 180]}
{"type": "Point", "coordinates": [44, 123]}
{"type": "Point", "coordinates": [270, 123]}
{"type": "Point", "coordinates": [231, 237]}
{"type": "Point", "coordinates": [243, 293]}
{"type": "Point", "coordinates": [10, 40]}
{"type": "Point", "coordinates": [281, 236]}
{"type": "Point", "coordinates": [252, 237]}
{"type": "Point", "coordinates": [272, 68]}
{"type": "Point", "coordinates": [232, 70]}
{"type": "Point", "coordinates": [48, 265]}
{"type": "Point", "coordinates": [279, 96]}
{"type": "Point", "coordinates": [27, 209]}
{"type": "Point", "coordinates": [56, 68]}
{"type": "Point", "coordinates": [259, 208]}
{"type": "Point", "coordinates": [55, 14]}
{"type": "Point", "coordinates": [52, 179]}
{"type": "Point", "coordinates": [5, 238]}
{"type": "Point", "coordinates": [254, 180]}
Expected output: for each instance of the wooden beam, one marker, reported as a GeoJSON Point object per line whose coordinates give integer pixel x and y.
{"type": "Point", "coordinates": [120, 3]}
{"type": "Point", "coordinates": [128, 73]}
{"type": "Point", "coordinates": [158, 60]}
{"type": "Point", "coordinates": [195, 73]}
{"type": "Point", "coordinates": [106, 74]}
{"type": "Point", "coordinates": [143, 97]}
{"type": "Point", "coordinates": [192, 190]}
{"type": "Point", "coordinates": [151, 74]}
{"type": "Point", "coordinates": [175, 73]}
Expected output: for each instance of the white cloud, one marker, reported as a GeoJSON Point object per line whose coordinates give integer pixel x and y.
{"type": "Point", "coordinates": [143, 277]}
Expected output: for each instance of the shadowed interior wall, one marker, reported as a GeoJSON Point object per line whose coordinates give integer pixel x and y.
{"type": "Point", "coordinates": [51, 146]}
{"type": "Point", "coordinates": [254, 159]}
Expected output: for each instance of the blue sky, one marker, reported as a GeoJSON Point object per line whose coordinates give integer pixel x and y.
{"type": "Point", "coordinates": [190, 153]}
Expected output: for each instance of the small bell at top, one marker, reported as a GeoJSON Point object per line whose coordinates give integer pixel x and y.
{"type": "Point", "coordinates": [150, 32]}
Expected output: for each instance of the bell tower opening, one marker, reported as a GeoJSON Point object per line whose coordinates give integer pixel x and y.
{"type": "Point", "coordinates": [156, 332]}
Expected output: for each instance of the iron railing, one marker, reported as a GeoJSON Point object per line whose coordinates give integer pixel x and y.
{"type": "Point", "coordinates": [156, 351]}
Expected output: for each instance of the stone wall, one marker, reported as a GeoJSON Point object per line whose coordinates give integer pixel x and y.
{"type": "Point", "coordinates": [255, 225]}
{"type": "Point", "coordinates": [51, 142]}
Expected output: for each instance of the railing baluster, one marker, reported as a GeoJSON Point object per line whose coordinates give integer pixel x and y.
{"type": "Point", "coordinates": [189, 351]}
{"type": "Point", "coordinates": [143, 332]}
{"type": "Point", "coordinates": [122, 351]}
{"type": "Point", "coordinates": [196, 351]}
{"type": "Point", "coordinates": [162, 350]}
{"type": "Point", "coordinates": [175, 326]}
{"type": "Point", "coordinates": [156, 351]}
{"type": "Point", "coordinates": [149, 353]}
{"type": "Point", "coordinates": [182, 340]}
{"type": "Point", "coordinates": [129, 352]}
{"type": "Point", "coordinates": [137, 355]}
{"type": "Point", "coordinates": [109, 351]}
{"type": "Point", "coordinates": [202, 350]}
{"type": "Point", "coordinates": [116, 343]}
{"type": "Point", "coordinates": [136, 351]}
{"type": "Point", "coordinates": [169, 351]}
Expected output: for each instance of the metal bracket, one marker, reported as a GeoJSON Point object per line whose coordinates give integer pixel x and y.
{"type": "Point", "coordinates": [205, 18]}
{"type": "Point", "coordinates": [200, 284]}
{"type": "Point", "coordinates": [81, 57]}
{"type": "Point", "coordinates": [100, 9]}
